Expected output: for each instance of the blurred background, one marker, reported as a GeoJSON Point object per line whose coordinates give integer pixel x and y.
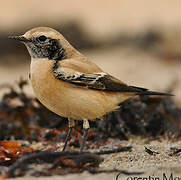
{"type": "Point", "coordinates": [136, 41]}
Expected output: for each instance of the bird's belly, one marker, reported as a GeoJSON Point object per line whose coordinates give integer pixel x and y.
{"type": "Point", "coordinates": [70, 101]}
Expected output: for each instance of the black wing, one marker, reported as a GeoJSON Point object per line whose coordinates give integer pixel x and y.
{"type": "Point", "coordinates": [101, 81]}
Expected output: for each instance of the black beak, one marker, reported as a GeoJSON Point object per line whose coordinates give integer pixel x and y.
{"type": "Point", "coordinates": [19, 38]}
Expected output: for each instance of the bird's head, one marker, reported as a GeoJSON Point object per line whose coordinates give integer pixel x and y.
{"type": "Point", "coordinates": [47, 43]}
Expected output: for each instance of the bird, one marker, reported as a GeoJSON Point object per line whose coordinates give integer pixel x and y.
{"type": "Point", "coordinates": [69, 84]}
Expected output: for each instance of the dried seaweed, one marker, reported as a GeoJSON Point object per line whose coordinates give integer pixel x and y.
{"type": "Point", "coordinates": [149, 117]}
{"type": "Point", "coordinates": [10, 151]}
{"type": "Point", "coordinates": [69, 161]}
{"type": "Point", "coordinates": [150, 152]}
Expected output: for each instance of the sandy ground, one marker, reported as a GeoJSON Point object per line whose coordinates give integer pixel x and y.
{"type": "Point", "coordinates": [84, 175]}
{"type": "Point", "coordinates": [137, 160]}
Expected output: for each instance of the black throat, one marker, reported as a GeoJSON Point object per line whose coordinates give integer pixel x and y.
{"type": "Point", "coordinates": [51, 49]}
{"type": "Point", "coordinates": [55, 51]}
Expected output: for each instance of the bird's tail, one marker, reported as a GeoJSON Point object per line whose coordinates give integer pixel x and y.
{"type": "Point", "coordinates": [154, 93]}
{"type": "Point", "coordinates": [143, 91]}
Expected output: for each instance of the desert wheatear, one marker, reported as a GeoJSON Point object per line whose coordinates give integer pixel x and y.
{"type": "Point", "coordinates": [69, 84]}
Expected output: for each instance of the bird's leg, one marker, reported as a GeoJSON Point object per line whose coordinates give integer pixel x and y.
{"type": "Point", "coordinates": [86, 127]}
{"type": "Point", "coordinates": [71, 126]}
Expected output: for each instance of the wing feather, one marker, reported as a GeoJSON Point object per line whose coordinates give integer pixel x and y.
{"type": "Point", "coordinates": [98, 81]}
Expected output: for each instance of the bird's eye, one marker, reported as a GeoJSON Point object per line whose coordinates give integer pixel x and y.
{"type": "Point", "coordinates": [42, 38]}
